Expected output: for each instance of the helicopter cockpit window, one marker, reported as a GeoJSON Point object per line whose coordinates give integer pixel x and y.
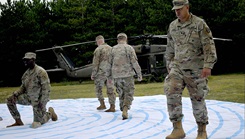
{"type": "Point", "coordinates": [160, 61]}
{"type": "Point", "coordinates": [159, 41]}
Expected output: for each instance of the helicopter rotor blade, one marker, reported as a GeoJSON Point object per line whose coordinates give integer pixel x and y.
{"type": "Point", "coordinates": [222, 39]}
{"type": "Point", "coordinates": [65, 46]}
{"type": "Point", "coordinates": [110, 39]}
{"type": "Point", "coordinates": [149, 36]}
{"type": "Point", "coordinates": [131, 37]}
{"type": "Point", "coordinates": [44, 49]}
{"type": "Point", "coordinates": [78, 44]}
{"type": "Point", "coordinates": [160, 36]}
{"type": "Point", "coordinates": [72, 45]}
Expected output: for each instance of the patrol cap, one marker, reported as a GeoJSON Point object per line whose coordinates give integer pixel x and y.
{"type": "Point", "coordinates": [122, 34]}
{"type": "Point", "coordinates": [29, 55]}
{"type": "Point", "coordinates": [179, 4]}
{"type": "Point", "coordinates": [99, 37]}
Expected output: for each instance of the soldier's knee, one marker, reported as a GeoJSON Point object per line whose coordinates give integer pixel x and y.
{"type": "Point", "coordinates": [111, 93]}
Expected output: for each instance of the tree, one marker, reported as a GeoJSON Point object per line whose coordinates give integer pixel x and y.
{"type": "Point", "coordinates": [28, 25]}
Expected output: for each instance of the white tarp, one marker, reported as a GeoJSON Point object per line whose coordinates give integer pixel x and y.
{"type": "Point", "coordinates": [148, 119]}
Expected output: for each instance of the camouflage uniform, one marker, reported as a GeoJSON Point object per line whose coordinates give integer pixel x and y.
{"type": "Point", "coordinates": [100, 66]}
{"type": "Point", "coordinates": [122, 63]}
{"type": "Point", "coordinates": [34, 90]}
{"type": "Point", "coordinates": [190, 48]}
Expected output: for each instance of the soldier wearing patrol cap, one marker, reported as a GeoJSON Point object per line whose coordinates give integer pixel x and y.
{"type": "Point", "coordinates": [29, 55]}
{"type": "Point", "coordinates": [190, 56]}
{"type": "Point", "coordinates": [34, 91]}
{"type": "Point", "coordinates": [122, 35]}
{"type": "Point", "coordinates": [123, 65]}
{"type": "Point", "coordinates": [100, 62]}
{"type": "Point", "coordinates": [178, 4]}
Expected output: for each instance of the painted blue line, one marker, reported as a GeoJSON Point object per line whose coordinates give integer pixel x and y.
{"type": "Point", "coordinates": [143, 120]}
{"type": "Point", "coordinates": [125, 122]}
{"type": "Point", "coordinates": [241, 118]}
{"type": "Point", "coordinates": [115, 116]}
{"type": "Point", "coordinates": [113, 127]}
{"type": "Point", "coordinates": [221, 123]}
{"type": "Point", "coordinates": [71, 125]}
{"type": "Point", "coordinates": [158, 124]}
{"type": "Point", "coordinates": [97, 116]}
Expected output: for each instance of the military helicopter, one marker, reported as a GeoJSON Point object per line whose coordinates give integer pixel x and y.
{"type": "Point", "coordinates": [150, 50]}
{"type": "Point", "coordinates": [66, 64]}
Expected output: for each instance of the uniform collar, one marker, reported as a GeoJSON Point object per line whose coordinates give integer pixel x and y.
{"type": "Point", "coordinates": [31, 71]}
{"type": "Point", "coordinates": [122, 42]}
{"type": "Point", "coordinates": [103, 44]}
{"type": "Point", "coordinates": [188, 22]}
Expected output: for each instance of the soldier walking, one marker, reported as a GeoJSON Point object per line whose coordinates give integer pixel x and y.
{"type": "Point", "coordinates": [100, 66]}
{"type": "Point", "coordinates": [190, 56]}
{"type": "Point", "coordinates": [123, 65]}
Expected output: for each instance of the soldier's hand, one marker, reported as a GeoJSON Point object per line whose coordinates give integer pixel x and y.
{"type": "Point", "coordinates": [206, 72]}
{"type": "Point", "coordinates": [139, 78]}
{"type": "Point", "coordinates": [92, 78]}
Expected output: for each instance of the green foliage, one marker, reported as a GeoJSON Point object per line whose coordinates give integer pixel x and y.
{"type": "Point", "coordinates": [28, 25]}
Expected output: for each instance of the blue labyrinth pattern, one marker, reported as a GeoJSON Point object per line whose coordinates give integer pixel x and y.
{"type": "Point", "coordinates": [148, 119]}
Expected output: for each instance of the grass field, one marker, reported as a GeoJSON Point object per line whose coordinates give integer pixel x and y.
{"type": "Point", "coordinates": [230, 87]}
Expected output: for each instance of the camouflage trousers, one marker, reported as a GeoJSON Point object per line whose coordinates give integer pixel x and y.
{"type": "Point", "coordinates": [125, 89]}
{"type": "Point", "coordinates": [174, 85]}
{"type": "Point", "coordinates": [39, 108]}
{"type": "Point", "coordinates": [100, 82]}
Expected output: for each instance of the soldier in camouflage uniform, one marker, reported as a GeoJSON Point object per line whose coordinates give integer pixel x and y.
{"type": "Point", "coordinates": [123, 64]}
{"type": "Point", "coordinates": [34, 91]}
{"type": "Point", "coordinates": [190, 56]}
{"type": "Point", "coordinates": [100, 65]}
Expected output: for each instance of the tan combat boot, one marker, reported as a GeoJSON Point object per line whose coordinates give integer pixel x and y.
{"type": "Point", "coordinates": [102, 105]}
{"type": "Point", "coordinates": [201, 132]}
{"type": "Point", "coordinates": [125, 113]}
{"type": "Point", "coordinates": [177, 132]}
{"type": "Point", "coordinates": [18, 122]}
{"type": "Point", "coordinates": [111, 109]}
{"type": "Point", "coordinates": [54, 116]}
{"type": "Point", "coordinates": [36, 124]}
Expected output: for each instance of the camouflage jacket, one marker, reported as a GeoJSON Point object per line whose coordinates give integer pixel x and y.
{"type": "Point", "coordinates": [100, 60]}
{"type": "Point", "coordinates": [36, 83]}
{"type": "Point", "coordinates": [123, 61]}
{"type": "Point", "coordinates": [190, 45]}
